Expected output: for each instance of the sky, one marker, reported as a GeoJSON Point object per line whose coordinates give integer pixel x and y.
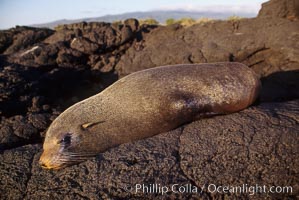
{"type": "Point", "coordinates": [26, 12]}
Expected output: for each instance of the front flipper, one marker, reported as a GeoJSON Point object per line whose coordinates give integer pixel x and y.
{"type": "Point", "coordinates": [90, 124]}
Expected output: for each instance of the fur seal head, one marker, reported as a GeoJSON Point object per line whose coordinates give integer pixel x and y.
{"type": "Point", "coordinates": [66, 145]}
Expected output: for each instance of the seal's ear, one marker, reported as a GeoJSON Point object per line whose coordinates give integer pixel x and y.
{"type": "Point", "coordinates": [90, 124]}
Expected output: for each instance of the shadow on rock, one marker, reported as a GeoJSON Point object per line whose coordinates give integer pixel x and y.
{"type": "Point", "coordinates": [32, 97]}
{"type": "Point", "coordinates": [280, 86]}
{"type": "Point", "coordinates": [56, 87]}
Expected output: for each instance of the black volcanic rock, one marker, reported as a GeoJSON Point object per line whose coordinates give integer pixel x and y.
{"type": "Point", "coordinates": [78, 44]}
{"type": "Point", "coordinates": [280, 8]}
{"type": "Point", "coordinates": [30, 98]}
{"type": "Point", "coordinates": [15, 177]}
{"type": "Point", "coordinates": [105, 35]}
{"type": "Point", "coordinates": [247, 147]}
{"type": "Point", "coordinates": [266, 45]}
{"type": "Point", "coordinates": [40, 55]}
{"type": "Point", "coordinates": [132, 23]}
{"type": "Point", "coordinates": [256, 146]}
{"type": "Point", "coordinates": [42, 72]}
{"type": "Point", "coordinates": [84, 45]}
{"type": "Point", "coordinates": [21, 37]}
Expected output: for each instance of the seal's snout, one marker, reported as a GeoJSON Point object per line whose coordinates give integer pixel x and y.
{"type": "Point", "coordinates": [43, 165]}
{"type": "Point", "coordinates": [46, 162]}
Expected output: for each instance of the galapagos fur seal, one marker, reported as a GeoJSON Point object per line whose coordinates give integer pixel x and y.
{"type": "Point", "coordinates": [144, 104]}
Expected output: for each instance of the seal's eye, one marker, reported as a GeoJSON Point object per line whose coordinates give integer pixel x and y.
{"type": "Point", "coordinates": [66, 140]}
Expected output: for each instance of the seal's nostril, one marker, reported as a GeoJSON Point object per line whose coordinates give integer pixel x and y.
{"type": "Point", "coordinates": [42, 164]}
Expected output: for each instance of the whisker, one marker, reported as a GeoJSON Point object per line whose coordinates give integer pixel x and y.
{"type": "Point", "coordinates": [69, 158]}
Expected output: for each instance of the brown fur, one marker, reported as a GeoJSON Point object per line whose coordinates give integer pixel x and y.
{"type": "Point", "coordinates": [144, 104]}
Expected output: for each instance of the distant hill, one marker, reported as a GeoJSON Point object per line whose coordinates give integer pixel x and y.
{"type": "Point", "coordinates": [160, 16]}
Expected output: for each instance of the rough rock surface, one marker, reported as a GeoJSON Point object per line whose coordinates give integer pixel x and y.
{"type": "Point", "coordinates": [266, 45]}
{"type": "Point", "coordinates": [224, 150]}
{"type": "Point", "coordinates": [96, 46]}
{"type": "Point", "coordinates": [43, 71]}
{"type": "Point", "coordinates": [238, 148]}
{"type": "Point", "coordinates": [20, 38]}
{"type": "Point", "coordinates": [280, 8]}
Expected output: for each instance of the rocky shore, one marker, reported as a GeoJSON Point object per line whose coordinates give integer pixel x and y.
{"type": "Point", "coordinates": [43, 71]}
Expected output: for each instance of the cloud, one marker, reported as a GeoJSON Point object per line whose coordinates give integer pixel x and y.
{"type": "Point", "coordinates": [87, 11]}
{"type": "Point", "coordinates": [251, 8]}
